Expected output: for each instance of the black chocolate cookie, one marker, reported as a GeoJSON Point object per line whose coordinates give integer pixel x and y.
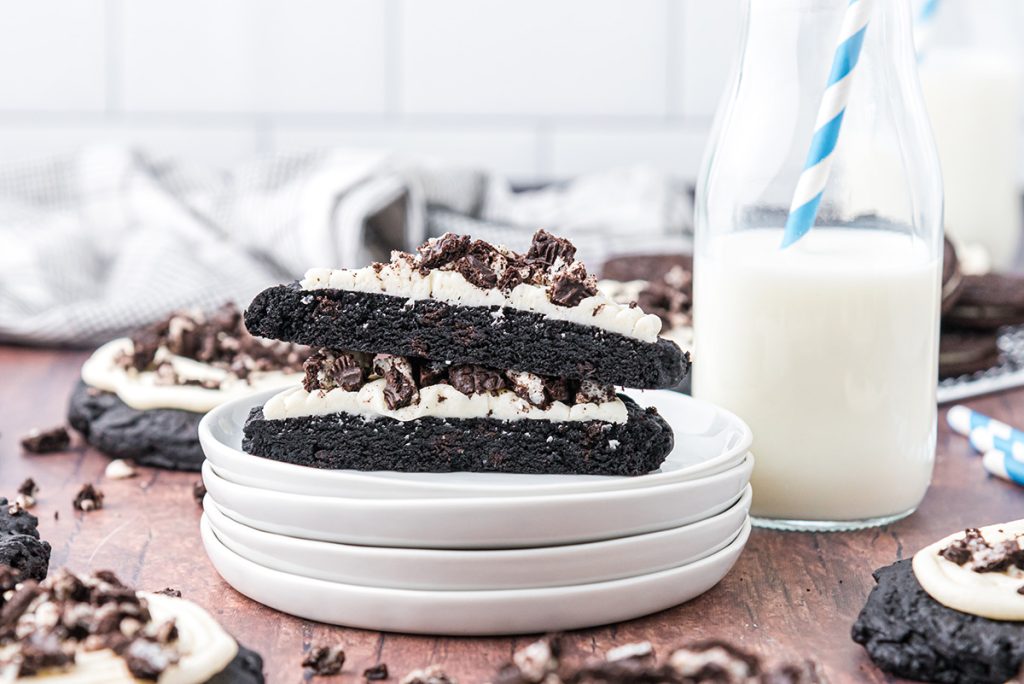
{"type": "Point", "coordinates": [20, 545]}
{"type": "Point", "coordinates": [160, 438]}
{"type": "Point", "coordinates": [644, 266]}
{"type": "Point", "coordinates": [909, 634]}
{"type": "Point", "coordinates": [342, 441]}
{"type": "Point", "coordinates": [989, 301]}
{"type": "Point", "coordinates": [489, 336]}
{"type": "Point", "coordinates": [246, 668]}
{"type": "Point", "coordinates": [962, 352]}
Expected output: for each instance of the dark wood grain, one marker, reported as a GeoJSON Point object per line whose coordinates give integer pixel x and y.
{"type": "Point", "coordinates": [790, 595]}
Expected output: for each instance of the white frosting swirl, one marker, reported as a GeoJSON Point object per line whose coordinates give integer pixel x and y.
{"type": "Point", "coordinates": [204, 648]}
{"type": "Point", "coordinates": [437, 401]}
{"type": "Point", "coordinates": [142, 391]}
{"type": "Point", "coordinates": [990, 595]}
{"type": "Point", "coordinates": [401, 279]}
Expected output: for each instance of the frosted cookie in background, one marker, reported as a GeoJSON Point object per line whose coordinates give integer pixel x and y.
{"type": "Point", "coordinates": [955, 613]}
{"type": "Point", "coordinates": [142, 397]}
{"type": "Point", "coordinates": [661, 284]}
{"type": "Point", "coordinates": [116, 635]}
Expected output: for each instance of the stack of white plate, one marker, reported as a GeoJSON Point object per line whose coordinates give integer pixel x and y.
{"type": "Point", "coordinates": [479, 553]}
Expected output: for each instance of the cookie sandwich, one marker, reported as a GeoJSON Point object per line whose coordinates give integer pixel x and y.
{"type": "Point", "coordinates": [953, 614]}
{"type": "Point", "coordinates": [142, 397]}
{"type": "Point", "coordinates": [96, 629]}
{"type": "Point", "coordinates": [465, 356]}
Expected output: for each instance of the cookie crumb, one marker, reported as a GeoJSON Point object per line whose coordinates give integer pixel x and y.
{"type": "Point", "coordinates": [46, 441]}
{"type": "Point", "coordinates": [88, 499]}
{"type": "Point", "coordinates": [431, 675]}
{"type": "Point", "coordinates": [119, 469]}
{"type": "Point", "coordinates": [199, 492]}
{"type": "Point", "coordinates": [27, 491]}
{"type": "Point", "coordinates": [376, 673]}
{"type": "Point", "coordinates": [325, 661]}
{"type": "Point", "coordinates": [167, 591]}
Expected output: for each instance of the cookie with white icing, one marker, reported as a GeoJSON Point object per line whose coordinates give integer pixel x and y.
{"type": "Point", "coordinates": [955, 613]}
{"type": "Point", "coordinates": [467, 301]}
{"type": "Point", "coordinates": [70, 629]}
{"type": "Point", "coordinates": [142, 397]}
{"type": "Point", "coordinates": [465, 357]}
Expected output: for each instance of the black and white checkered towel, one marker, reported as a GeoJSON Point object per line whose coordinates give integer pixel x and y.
{"type": "Point", "coordinates": [103, 241]}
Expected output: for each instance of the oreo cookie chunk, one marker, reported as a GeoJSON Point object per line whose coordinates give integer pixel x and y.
{"type": "Point", "coordinates": [395, 413]}
{"type": "Point", "coordinates": [648, 267]}
{"type": "Point", "coordinates": [115, 631]}
{"type": "Point", "coordinates": [143, 397]}
{"type": "Point", "coordinates": [21, 549]}
{"type": "Point", "coordinates": [988, 302]}
{"type": "Point", "coordinates": [955, 614]}
{"type": "Point", "coordinates": [963, 352]}
{"type": "Point", "coordinates": [467, 301]}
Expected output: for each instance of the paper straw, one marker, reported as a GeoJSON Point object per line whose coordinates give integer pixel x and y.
{"type": "Point", "coordinates": [811, 186]}
{"type": "Point", "coordinates": [965, 420]}
{"type": "Point", "coordinates": [1002, 465]}
{"type": "Point", "coordinates": [984, 441]}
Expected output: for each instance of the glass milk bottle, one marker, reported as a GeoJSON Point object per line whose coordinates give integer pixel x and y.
{"type": "Point", "coordinates": [826, 347]}
{"type": "Point", "coordinates": [970, 54]}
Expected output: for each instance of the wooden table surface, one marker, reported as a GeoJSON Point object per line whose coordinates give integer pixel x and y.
{"type": "Point", "coordinates": [791, 595]}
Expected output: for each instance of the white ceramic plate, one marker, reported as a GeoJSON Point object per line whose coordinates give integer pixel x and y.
{"type": "Point", "coordinates": [471, 613]}
{"type": "Point", "coordinates": [479, 523]}
{"type": "Point", "coordinates": [443, 570]}
{"type": "Point", "coordinates": [708, 440]}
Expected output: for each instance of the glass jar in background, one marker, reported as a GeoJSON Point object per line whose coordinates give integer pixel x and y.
{"type": "Point", "coordinates": [970, 59]}
{"type": "Point", "coordinates": [827, 348]}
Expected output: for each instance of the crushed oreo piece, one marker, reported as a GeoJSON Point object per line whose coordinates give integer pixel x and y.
{"type": "Point", "coordinates": [549, 251]}
{"type": "Point", "coordinates": [218, 339]}
{"type": "Point", "coordinates": [27, 491]}
{"type": "Point", "coordinates": [591, 392]}
{"type": "Point", "coordinates": [982, 556]}
{"type": "Point", "coordinates": [325, 661]}
{"type": "Point", "coordinates": [571, 286]}
{"type": "Point", "coordinates": [716, 661]}
{"type": "Point", "coordinates": [430, 675]}
{"type": "Point", "coordinates": [400, 384]}
{"type": "Point", "coordinates": [327, 369]}
{"type": "Point", "coordinates": [432, 373]}
{"type": "Point", "coordinates": [168, 591]}
{"type": "Point", "coordinates": [88, 499]}
{"type": "Point", "coordinates": [199, 492]}
{"type": "Point", "coordinates": [470, 379]}
{"type": "Point", "coordinates": [147, 659]}
{"type": "Point", "coordinates": [539, 659]}
{"type": "Point", "coordinates": [46, 441]}
{"type": "Point", "coordinates": [376, 673]}
{"type": "Point", "coordinates": [441, 251]}
{"type": "Point", "coordinates": [476, 266]}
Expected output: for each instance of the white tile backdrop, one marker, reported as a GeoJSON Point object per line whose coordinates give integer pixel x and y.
{"type": "Point", "coordinates": [537, 89]}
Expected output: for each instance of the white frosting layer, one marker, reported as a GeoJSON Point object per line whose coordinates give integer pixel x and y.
{"type": "Point", "coordinates": [991, 595]}
{"type": "Point", "coordinates": [141, 391]}
{"type": "Point", "coordinates": [204, 646]}
{"type": "Point", "coordinates": [437, 401]}
{"type": "Point", "coordinates": [401, 279]}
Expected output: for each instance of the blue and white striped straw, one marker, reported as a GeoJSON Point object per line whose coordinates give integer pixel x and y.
{"type": "Point", "coordinates": [811, 186]}
{"type": "Point", "coordinates": [1005, 466]}
{"type": "Point", "coordinates": [965, 421]}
